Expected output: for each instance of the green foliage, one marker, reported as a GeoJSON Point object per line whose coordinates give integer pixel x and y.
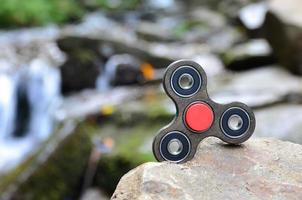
{"type": "Point", "coordinates": [15, 13]}
{"type": "Point", "coordinates": [118, 4]}
{"type": "Point", "coordinates": [21, 13]}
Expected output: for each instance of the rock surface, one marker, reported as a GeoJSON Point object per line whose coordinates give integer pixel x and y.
{"type": "Point", "coordinates": [257, 88]}
{"type": "Point", "coordinates": [252, 54]}
{"type": "Point", "coordinates": [268, 122]}
{"type": "Point", "coordinates": [284, 32]}
{"type": "Point", "coordinates": [259, 169]}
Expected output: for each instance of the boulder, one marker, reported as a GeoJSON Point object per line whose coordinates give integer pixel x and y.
{"type": "Point", "coordinates": [284, 32]}
{"type": "Point", "coordinates": [269, 122]}
{"type": "Point", "coordinates": [258, 169]}
{"type": "Point", "coordinates": [257, 88]}
{"type": "Point", "coordinates": [251, 54]}
{"type": "Point", "coordinates": [227, 7]}
{"type": "Point", "coordinates": [83, 65]}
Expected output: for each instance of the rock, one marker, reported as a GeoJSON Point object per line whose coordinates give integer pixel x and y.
{"type": "Point", "coordinates": [90, 102]}
{"type": "Point", "coordinates": [224, 39]}
{"type": "Point", "coordinates": [83, 65]}
{"type": "Point", "coordinates": [251, 54]}
{"type": "Point", "coordinates": [259, 169]}
{"type": "Point", "coordinates": [21, 47]}
{"type": "Point", "coordinates": [94, 194]}
{"type": "Point", "coordinates": [257, 88]}
{"type": "Point", "coordinates": [121, 69]}
{"type": "Point", "coordinates": [121, 39]}
{"type": "Point", "coordinates": [154, 32]}
{"type": "Point", "coordinates": [59, 162]}
{"type": "Point", "coordinates": [284, 32]}
{"type": "Point", "coordinates": [210, 63]}
{"type": "Point", "coordinates": [227, 7]}
{"type": "Point", "coordinates": [282, 121]}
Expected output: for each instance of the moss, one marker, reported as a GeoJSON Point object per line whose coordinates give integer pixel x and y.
{"type": "Point", "coordinates": [150, 108]}
{"type": "Point", "coordinates": [132, 148]}
{"type": "Point", "coordinates": [12, 176]}
{"type": "Point", "coordinates": [61, 174]}
{"type": "Point", "coordinates": [110, 170]}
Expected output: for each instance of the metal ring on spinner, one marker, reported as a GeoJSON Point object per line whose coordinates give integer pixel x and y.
{"type": "Point", "coordinates": [164, 143]}
{"type": "Point", "coordinates": [175, 81]}
{"type": "Point", "coordinates": [225, 124]}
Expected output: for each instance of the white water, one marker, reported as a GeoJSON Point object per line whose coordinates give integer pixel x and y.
{"type": "Point", "coordinates": [109, 73]}
{"type": "Point", "coordinates": [41, 83]}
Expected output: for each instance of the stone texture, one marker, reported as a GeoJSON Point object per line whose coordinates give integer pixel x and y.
{"type": "Point", "coordinates": [251, 54]}
{"type": "Point", "coordinates": [259, 169]}
{"type": "Point", "coordinates": [284, 32]}
{"type": "Point", "coordinates": [257, 88]}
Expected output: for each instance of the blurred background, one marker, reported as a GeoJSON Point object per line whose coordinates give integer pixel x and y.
{"type": "Point", "coordinates": [80, 82]}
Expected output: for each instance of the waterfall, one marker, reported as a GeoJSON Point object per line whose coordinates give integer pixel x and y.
{"type": "Point", "coordinates": [43, 89]}
{"type": "Point", "coordinates": [7, 104]}
{"type": "Point", "coordinates": [108, 75]}
{"type": "Point", "coordinates": [28, 99]}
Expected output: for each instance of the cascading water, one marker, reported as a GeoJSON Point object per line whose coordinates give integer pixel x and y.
{"type": "Point", "coordinates": [28, 99]}
{"type": "Point", "coordinates": [128, 65]}
{"type": "Point", "coordinates": [7, 104]}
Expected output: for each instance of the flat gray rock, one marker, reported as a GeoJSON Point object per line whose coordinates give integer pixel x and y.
{"type": "Point", "coordinates": [259, 169]}
{"type": "Point", "coordinates": [282, 121]}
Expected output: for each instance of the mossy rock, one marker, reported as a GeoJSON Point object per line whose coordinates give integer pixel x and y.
{"type": "Point", "coordinates": [61, 174]}
{"type": "Point", "coordinates": [133, 146]}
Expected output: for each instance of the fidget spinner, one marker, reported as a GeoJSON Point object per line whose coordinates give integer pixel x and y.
{"type": "Point", "coordinates": [197, 116]}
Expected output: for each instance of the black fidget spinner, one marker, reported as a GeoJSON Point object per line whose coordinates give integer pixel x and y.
{"type": "Point", "coordinates": [197, 116]}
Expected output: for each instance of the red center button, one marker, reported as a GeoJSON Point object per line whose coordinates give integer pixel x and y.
{"type": "Point", "coordinates": [199, 116]}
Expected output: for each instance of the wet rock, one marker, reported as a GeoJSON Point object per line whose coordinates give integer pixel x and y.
{"type": "Point", "coordinates": [259, 169]}
{"type": "Point", "coordinates": [202, 25]}
{"type": "Point", "coordinates": [122, 69]}
{"type": "Point", "coordinates": [252, 54]}
{"type": "Point", "coordinates": [228, 7]}
{"type": "Point", "coordinates": [257, 88]}
{"type": "Point", "coordinates": [84, 63]}
{"type": "Point", "coordinates": [224, 39]}
{"type": "Point", "coordinates": [132, 128]}
{"type": "Point", "coordinates": [282, 121]}
{"type": "Point", "coordinates": [21, 47]}
{"type": "Point", "coordinates": [90, 102]}
{"type": "Point", "coordinates": [284, 32]}
{"type": "Point", "coordinates": [210, 63]}
{"type": "Point", "coordinates": [122, 40]}
{"type": "Point", "coordinates": [155, 32]}
{"type": "Point", "coordinates": [60, 163]}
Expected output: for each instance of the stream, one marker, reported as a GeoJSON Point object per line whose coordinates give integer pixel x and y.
{"type": "Point", "coordinates": [28, 98]}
